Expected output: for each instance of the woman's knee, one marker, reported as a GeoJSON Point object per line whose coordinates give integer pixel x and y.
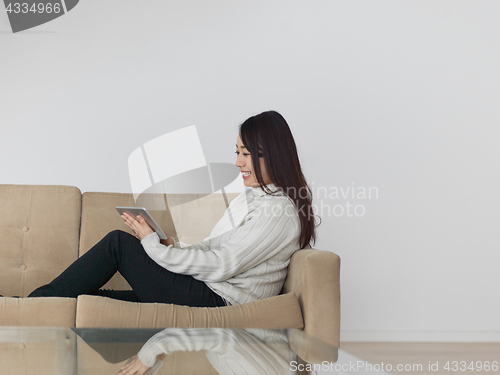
{"type": "Point", "coordinates": [118, 233]}
{"type": "Point", "coordinates": [124, 241]}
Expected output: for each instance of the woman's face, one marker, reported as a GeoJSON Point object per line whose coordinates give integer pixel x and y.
{"type": "Point", "coordinates": [244, 163]}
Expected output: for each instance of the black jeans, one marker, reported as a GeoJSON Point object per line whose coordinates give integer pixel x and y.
{"type": "Point", "coordinates": [120, 251]}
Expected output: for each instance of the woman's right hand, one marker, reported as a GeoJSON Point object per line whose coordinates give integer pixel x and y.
{"type": "Point", "coordinates": [135, 366]}
{"type": "Point", "coordinates": [168, 241]}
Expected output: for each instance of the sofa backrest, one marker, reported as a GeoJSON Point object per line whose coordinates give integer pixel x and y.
{"type": "Point", "coordinates": [195, 215]}
{"type": "Point", "coordinates": [39, 231]}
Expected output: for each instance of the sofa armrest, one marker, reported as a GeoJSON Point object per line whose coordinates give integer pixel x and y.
{"type": "Point", "coordinates": [314, 277]}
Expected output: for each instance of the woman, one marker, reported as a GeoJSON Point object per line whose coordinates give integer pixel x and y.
{"type": "Point", "coordinates": [238, 265]}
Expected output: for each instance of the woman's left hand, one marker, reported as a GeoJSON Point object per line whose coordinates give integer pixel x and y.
{"type": "Point", "coordinates": [135, 367]}
{"type": "Point", "coordinates": [140, 227]}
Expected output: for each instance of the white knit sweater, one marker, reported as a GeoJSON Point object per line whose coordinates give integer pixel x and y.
{"type": "Point", "coordinates": [230, 351]}
{"type": "Point", "coordinates": [246, 256]}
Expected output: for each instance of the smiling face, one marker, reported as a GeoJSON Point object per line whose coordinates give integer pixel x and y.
{"type": "Point", "coordinates": [244, 163]}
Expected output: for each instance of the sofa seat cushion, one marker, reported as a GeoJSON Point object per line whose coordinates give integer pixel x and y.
{"type": "Point", "coordinates": [37, 312]}
{"type": "Point", "coordinates": [29, 351]}
{"type": "Point", "coordinates": [277, 312]}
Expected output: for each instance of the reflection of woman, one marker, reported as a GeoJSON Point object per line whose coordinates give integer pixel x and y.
{"type": "Point", "coordinates": [241, 261]}
{"type": "Point", "coordinates": [230, 351]}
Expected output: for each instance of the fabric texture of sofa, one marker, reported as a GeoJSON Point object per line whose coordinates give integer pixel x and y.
{"type": "Point", "coordinates": [44, 228]}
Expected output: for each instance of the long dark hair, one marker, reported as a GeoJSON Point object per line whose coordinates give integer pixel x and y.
{"type": "Point", "coordinates": [268, 135]}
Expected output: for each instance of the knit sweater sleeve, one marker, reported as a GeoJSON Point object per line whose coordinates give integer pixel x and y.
{"type": "Point", "coordinates": [263, 233]}
{"type": "Point", "coordinates": [203, 245]}
{"type": "Point", "coordinates": [234, 349]}
{"type": "Point", "coordinates": [175, 339]}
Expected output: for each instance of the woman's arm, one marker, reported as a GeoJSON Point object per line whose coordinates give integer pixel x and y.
{"type": "Point", "coordinates": [178, 339]}
{"type": "Point", "coordinates": [266, 230]}
{"type": "Point", "coordinates": [238, 345]}
{"type": "Point", "coordinates": [142, 229]}
{"type": "Point", "coordinates": [168, 241]}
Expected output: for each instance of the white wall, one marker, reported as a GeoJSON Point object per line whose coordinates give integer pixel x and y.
{"type": "Point", "coordinates": [401, 96]}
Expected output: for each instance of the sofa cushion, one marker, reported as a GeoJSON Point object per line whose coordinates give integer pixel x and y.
{"type": "Point", "coordinates": [39, 230]}
{"type": "Point", "coordinates": [195, 215]}
{"type": "Point", "coordinates": [29, 358]}
{"type": "Point", "coordinates": [277, 312]}
{"type": "Point", "coordinates": [99, 217]}
{"type": "Point", "coordinates": [34, 350]}
{"type": "Point", "coordinates": [37, 312]}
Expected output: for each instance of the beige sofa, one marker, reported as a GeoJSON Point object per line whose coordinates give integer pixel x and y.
{"type": "Point", "coordinates": [44, 228]}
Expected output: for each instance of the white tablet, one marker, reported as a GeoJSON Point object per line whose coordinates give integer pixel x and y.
{"type": "Point", "coordinates": [134, 211]}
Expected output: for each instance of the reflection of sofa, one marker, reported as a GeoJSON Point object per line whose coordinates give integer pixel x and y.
{"type": "Point", "coordinates": [43, 229]}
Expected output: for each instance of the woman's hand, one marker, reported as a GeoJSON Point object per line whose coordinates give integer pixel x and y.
{"type": "Point", "coordinates": [140, 227]}
{"type": "Point", "coordinates": [168, 241]}
{"type": "Point", "coordinates": [135, 367]}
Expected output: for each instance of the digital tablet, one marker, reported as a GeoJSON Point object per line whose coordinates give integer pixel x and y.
{"type": "Point", "coordinates": [134, 211]}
